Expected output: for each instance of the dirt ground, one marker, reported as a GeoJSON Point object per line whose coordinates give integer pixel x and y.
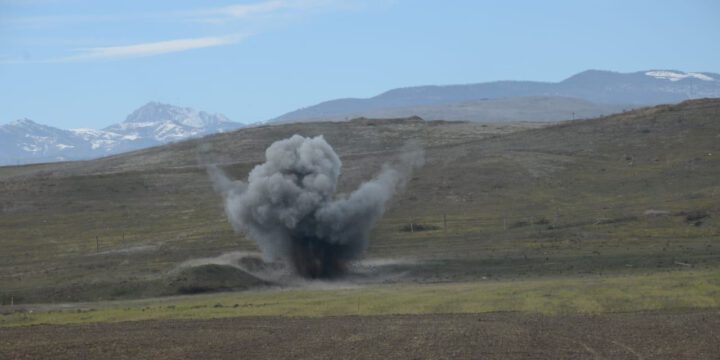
{"type": "Point", "coordinates": [686, 335]}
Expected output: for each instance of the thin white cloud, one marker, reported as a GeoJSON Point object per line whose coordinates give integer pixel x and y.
{"type": "Point", "coordinates": [245, 17]}
{"type": "Point", "coordinates": [244, 10]}
{"type": "Point", "coordinates": [132, 51]}
{"type": "Point", "coordinates": [220, 15]}
{"type": "Point", "coordinates": [150, 49]}
{"type": "Point", "coordinates": [217, 15]}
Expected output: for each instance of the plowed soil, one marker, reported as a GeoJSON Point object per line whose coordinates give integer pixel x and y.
{"type": "Point", "coordinates": [685, 335]}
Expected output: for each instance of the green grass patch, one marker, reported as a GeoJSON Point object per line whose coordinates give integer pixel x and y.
{"type": "Point", "coordinates": [658, 291]}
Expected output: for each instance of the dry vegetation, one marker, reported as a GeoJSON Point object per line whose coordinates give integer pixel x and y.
{"type": "Point", "coordinates": [487, 336]}
{"type": "Point", "coordinates": [631, 193]}
{"type": "Point", "coordinates": [593, 217]}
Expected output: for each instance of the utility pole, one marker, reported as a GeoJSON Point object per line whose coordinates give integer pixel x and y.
{"type": "Point", "coordinates": [97, 243]}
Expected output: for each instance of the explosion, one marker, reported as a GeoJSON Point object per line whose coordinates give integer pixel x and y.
{"type": "Point", "coordinates": [288, 205]}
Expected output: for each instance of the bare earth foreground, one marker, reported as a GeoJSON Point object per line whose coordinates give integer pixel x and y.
{"type": "Point", "coordinates": [648, 335]}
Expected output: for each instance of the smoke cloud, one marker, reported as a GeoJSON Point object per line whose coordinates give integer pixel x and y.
{"type": "Point", "coordinates": [288, 205]}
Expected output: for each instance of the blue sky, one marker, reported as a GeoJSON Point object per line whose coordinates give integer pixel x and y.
{"type": "Point", "coordinates": [76, 63]}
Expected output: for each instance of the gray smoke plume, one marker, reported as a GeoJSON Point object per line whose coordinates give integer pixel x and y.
{"type": "Point", "coordinates": [289, 208]}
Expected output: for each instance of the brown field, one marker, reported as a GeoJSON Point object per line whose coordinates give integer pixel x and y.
{"type": "Point", "coordinates": [683, 335]}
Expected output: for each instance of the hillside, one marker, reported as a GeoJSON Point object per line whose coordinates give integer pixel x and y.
{"type": "Point", "coordinates": [633, 192]}
{"type": "Point", "coordinates": [511, 109]}
{"type": "Point", "coordinates": [606, 91]}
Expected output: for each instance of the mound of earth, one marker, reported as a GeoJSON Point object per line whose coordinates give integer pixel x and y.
{"type": "Point", "coordinates": [211, 278]}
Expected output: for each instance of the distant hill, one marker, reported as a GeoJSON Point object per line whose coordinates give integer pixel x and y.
{"type": "Point", "coordinates": [532, 108]}
{"type": "Point", "coordinates": [25, 141]}
{"type": "Point", "coordinates": [608, 91]}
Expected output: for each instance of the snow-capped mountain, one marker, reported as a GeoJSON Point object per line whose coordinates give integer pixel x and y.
{"type": "Point", "coordinates": [165, 123]}
{"type": "Point", "coordinates": [98, 139]}
{"type": "Point", "coordinates": [589, 93]}
{"type": "Point", "coordinates": [606, 89]}
{"type": "Point", "coordinates": [25, 141]}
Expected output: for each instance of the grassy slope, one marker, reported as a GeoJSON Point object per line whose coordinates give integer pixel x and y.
{"type": "Point", "coordinates": [675, 291]}
{"type": "Point", "coordinates": [152, 209]}
{"type": "Point", "coordinates": [563, 200]}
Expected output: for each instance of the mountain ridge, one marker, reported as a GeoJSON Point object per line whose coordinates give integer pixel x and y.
{"type": "Point", "coordinates": [26, 141]}
{"type": "Point", "coordinates": [587, 94]}
{"type": "Point", "coordinates": [641, 88]}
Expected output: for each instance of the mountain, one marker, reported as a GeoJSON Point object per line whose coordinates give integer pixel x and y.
{"type": "Point", "coordinates": [164, 123]}
{"type": "Point", "coordinates": [528, 108]}
{"type": "Point", "coordinates": [605, 89]}
{"type": "Point", "coordinates": [25, 141]}
{"type": "Point", "coordinates": [588, 94]}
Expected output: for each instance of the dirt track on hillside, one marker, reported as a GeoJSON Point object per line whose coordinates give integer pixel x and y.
{"type": "Point", "coordinates": [694, 335]}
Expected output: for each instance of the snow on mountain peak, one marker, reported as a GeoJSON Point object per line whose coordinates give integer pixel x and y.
{"type": "Point", "coordinates": [87, 133]}
{"type": "Point", "coordinates": [155, 112]}
{"type": "Point", "coordinates": [677, 75]}
{"type": "Point", "coordinates": [164, 122]}
{"type": "Point", "coordinates": [98, 139]}
{"type": "Point", "coordinates": [152, 124]}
